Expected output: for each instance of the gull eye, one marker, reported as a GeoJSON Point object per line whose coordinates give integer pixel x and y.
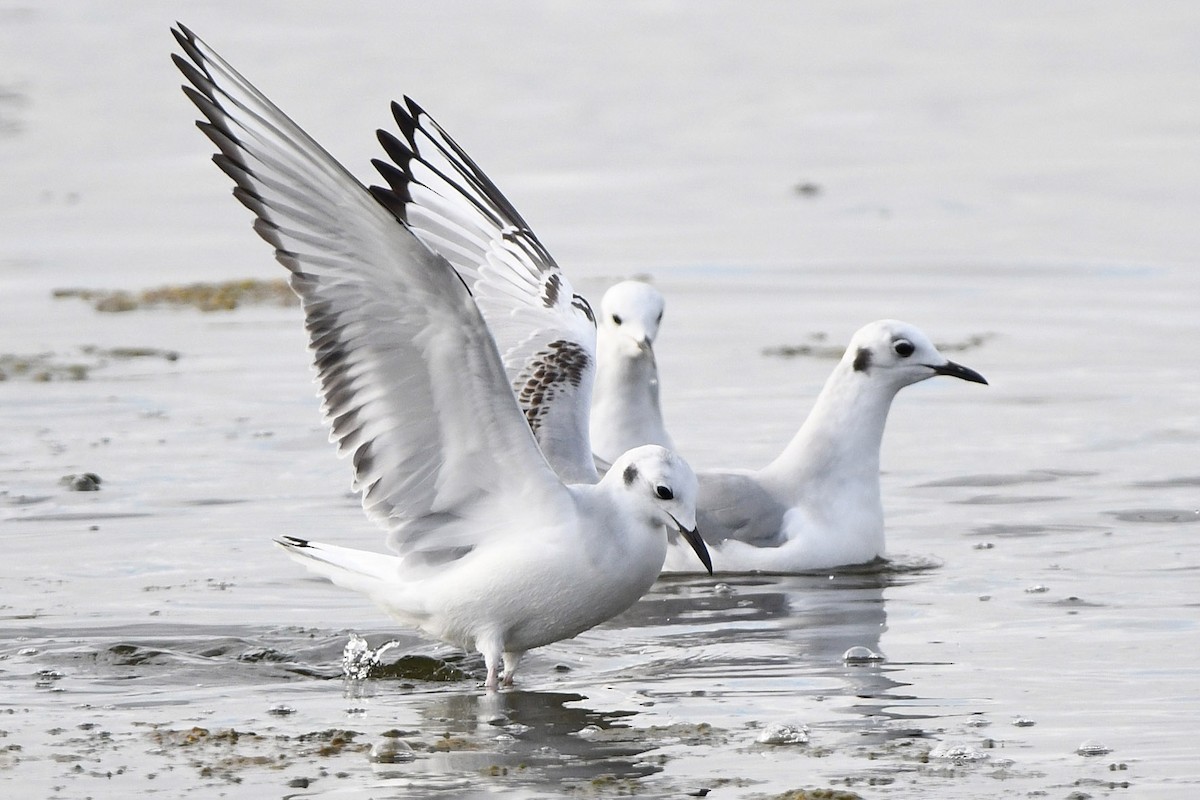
{"type": "Point", "coordinates": [616, 319]}
{"type": "Point", "coordinates": [903, 347]}
{"type": "Point", "coordinates": [664, 493]}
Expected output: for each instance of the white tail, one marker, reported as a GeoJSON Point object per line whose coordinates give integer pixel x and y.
{"type": "Point", "coordinates": [360, 570]}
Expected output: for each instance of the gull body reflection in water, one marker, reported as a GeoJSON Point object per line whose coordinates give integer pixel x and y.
{"type": "Point", "coordinates": [754, 635]}
{"type": "Point", "coordinates": [741, 653]}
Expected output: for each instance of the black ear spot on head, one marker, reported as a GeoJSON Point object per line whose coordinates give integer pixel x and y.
{"type": "Point", "coordinates": [631, 474]}
{"type": "Point", "coordinates": [862, 360]}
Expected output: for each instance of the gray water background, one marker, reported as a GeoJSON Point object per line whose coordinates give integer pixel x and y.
{"type": "Point", "coordinates": [1023, 182]}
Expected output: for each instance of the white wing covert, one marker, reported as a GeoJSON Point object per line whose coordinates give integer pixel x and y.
{"type": "Point", "coordinates": [545, 331]}
{"type": "Point", "coordinates": [412, 384]}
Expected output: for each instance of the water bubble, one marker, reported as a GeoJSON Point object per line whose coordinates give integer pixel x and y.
{"type": "Point", "coordinates": [784, 733]}
{"type": "Point", "coordinates": [46, 679]}
{"type": "Point", "coordinates": [588, 732]}
{"type": "Point", "coordinates": [1038, 589]}
{"type": "Point", "coordinates": [27, 651]}
{"type": "Point", "coordinates": [391, 750]}
{"type": "Point", "coordinates": [1093, 748]}
{"type": "Point", "coordinates": [723, 590]}
{"type": "Point", "coordinates": [859, 654]}
{"type": "Point", "coordinates": [517, 729]}
{"type": "Point", "coordinates": [1023, 722]}
{"type": "Point", "coordinates": [962, 753]}
{"type": "Point", "coordinates": [281, 710]}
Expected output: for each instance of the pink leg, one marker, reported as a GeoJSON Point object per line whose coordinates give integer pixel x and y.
{"type": "Point", "coordinates": [510, 668]}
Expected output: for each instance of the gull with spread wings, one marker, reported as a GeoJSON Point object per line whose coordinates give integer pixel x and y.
{"type": "Point", "coordinates": [493, 552]}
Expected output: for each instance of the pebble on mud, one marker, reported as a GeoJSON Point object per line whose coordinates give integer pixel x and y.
{"type": "Point", "coordinates": [83, 482]}
{"type": "Point", "coordinates": [961, 753]}
{"type": "Point", "coordinates": [784, 733]}
{"type": "Point", "coordinates": [817, 794]}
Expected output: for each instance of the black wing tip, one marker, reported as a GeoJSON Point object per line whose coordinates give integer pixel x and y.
{"type": "Point", "coordinates": [182, 34]}
{"type": "Point", "coordinates": [405, 117]}
{"type": "Point", "coordinates": [189, 42]}
{"type": "Point", "coordinates": [292, 541]}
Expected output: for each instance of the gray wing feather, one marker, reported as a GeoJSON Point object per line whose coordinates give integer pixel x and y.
{"type": "Point", "coordinates": [413, 388]}
{"type": "Point", "coordinates": [734, 505]}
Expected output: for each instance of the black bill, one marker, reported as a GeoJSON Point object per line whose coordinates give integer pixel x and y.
{"type": "Point", "coordinates": [697, 543]}
{"type": "Point", "coordinates": [959, 371]}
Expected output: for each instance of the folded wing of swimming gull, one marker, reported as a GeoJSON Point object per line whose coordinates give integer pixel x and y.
{"type": "Point", "coordinates": [494, 552]}
{"type": "Point", "coordinates": [818, 505]}
{"type": "Point", "coordinates": [625, 404]}
{"type": "Point", "coordinates": [546, 332]}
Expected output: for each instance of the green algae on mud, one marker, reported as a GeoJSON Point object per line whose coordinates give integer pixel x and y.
{"type": "Point", "coordinates": [222, 296]}
{"type": "Point", "coordinates": [818, 347]}
{"type": "Point", "coordinates": [48, 367]}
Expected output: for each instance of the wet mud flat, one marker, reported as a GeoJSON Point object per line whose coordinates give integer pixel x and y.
{"type": "Point", "coordinates": [734, 689]}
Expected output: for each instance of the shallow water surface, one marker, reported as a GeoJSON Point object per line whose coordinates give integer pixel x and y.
{"type": "Point", "coordinates": [1037, 624]}
{"type": "Point", "coordinates": [1040, 597]}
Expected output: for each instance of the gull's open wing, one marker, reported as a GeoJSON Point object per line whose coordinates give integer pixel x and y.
{"type": "Point", "coordinates": [546, 332]}
{"type": "Point", "coordinates": [414, 389]}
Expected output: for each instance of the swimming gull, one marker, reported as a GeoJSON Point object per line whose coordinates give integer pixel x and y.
{"type": "Point", "coordinates": [817, 506]}
{"type": "Point", "coordinates": [493, 551]}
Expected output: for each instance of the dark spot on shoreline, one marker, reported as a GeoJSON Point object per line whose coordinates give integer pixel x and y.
{"type": "Point", "coordinates": [83, 482]}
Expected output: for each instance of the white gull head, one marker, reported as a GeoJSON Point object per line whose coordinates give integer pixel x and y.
{"type": "Point", "coordinates": [625, 403]}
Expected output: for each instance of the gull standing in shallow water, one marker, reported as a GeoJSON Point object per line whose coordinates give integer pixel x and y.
{"type": "Point", "coordinates": [817, 506]}
{"type": "Point", "coordinates": [625, 406]}
{"type": "Point", "coordinates": [494, 552]}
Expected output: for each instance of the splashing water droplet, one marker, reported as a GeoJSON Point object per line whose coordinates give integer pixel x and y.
{"type": "Point", "coordinates": [359, 660]}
